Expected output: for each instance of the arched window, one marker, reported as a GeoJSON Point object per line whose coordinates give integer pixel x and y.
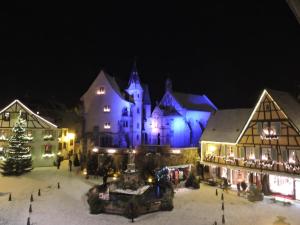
{"type": "Point", "coordinates": [125, 111]}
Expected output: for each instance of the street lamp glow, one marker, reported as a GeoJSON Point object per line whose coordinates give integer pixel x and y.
{"type": "Point", "coordinates": [111, 151]}
{"type": "Point", "coordinates": [176, 151]}
{"type": "Point", "coordinates": [95, 150]}
{"type": "Point", "coordinates": [70, 136]}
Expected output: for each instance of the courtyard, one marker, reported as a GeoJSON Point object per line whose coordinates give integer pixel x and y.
{"type": "Point", "coordinates": [68, 205]}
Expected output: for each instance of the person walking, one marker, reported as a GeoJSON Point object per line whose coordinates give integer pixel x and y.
{"type": "Point", "coordinates": [58, 162]}
{"type": "Point", "coordinates": [70, 164]}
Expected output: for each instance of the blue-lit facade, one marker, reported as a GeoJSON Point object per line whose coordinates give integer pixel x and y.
{"type": "Point", "coordinates": [179, 119]}
{"type": "Point", "coordinates": [121, 116]}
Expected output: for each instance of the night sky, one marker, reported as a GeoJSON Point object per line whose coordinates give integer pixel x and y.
{"type": "Point", "coordinates": [228, 51]}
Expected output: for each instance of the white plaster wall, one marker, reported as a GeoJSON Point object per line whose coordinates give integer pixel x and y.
{"type": "Point", "coordinates": [94, 104]}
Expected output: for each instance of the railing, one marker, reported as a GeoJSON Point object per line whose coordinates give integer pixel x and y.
{"type": "Point", "coordinates": [268, 165]}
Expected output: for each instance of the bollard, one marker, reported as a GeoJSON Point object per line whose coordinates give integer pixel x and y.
{"type": "Point", "coordinates": [58, 185]}
{"type": "Point", "coordinates": [216, 192]}
{"type": "Point", "coordinates": [39, 193]}
{"type": "Point", "coordinates": [28, 221]}
{"type": "Point", "coordinates": [31, 198]}
{"type": "Point", "coordinates": [9, 198]}
{"type": "Point", "coordinates": [223, 219]}
{"type": "Point", "coordinates": [223, 206]}
{"type": "Point", "coordinates": [222, 197]}
{"type": "Point", "coordinates": [30, 209]}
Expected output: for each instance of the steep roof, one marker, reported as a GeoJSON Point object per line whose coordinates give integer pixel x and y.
{"type": "Point", "coordinates": [226, 125]}
{"type": "Point", "coordinates": [113, 83]}
{"type": "Point", "coordinates": [295, 7]}
{"type": "Point", "coordinates": [134, 76]}
{"type": "Point", "coordinates": [194, 102]}
{"type": "Point", "coordinates": [288, 104]}
{"type": "Point", "coordinates": [146, 97]}
{"type": "Point", "coordinates": [34, 120]}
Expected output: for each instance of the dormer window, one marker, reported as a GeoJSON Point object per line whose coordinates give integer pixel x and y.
{"type": "Point", "coordinates": [100, 91]}
{"type": "Point", "coordinates": [106, 108]}
{"type": "Point", "coordinates": [106, 125]}
{"type": "Point", "coordinates": [6, 116]}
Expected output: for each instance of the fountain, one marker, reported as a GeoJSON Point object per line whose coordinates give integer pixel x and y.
{"type": "Point", "coordinates": [129, 196]}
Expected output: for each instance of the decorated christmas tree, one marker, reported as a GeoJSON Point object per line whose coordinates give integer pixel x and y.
{"type": "Point", "coordinates": [18, 154]}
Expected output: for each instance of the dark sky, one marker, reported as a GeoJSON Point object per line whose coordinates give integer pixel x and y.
{"type": "Point", "coordinates": [228, 51]}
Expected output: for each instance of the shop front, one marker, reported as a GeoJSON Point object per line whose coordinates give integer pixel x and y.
{"type": "Point", "coordinates": [179, 173]}
{"type": "Point", "coordinates": [236, 176]}
{"type": "Point", "coordinates": [297, 189]}
{"type": "Point", "coordinates": [286, 186]}
{"type": "Point", "coordinates": [282, 185]}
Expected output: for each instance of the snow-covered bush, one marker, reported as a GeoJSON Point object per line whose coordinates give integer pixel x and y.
{"type": "Point", "coordinates": [192, 181]}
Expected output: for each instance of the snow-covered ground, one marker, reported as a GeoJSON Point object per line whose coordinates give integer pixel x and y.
{"type": "Point", "coordinates": [68, 205]}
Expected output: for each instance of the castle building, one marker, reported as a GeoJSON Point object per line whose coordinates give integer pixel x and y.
{"type": "Point", "coordinates": [122, 117]}
{"type": "Point", "coordinates": [179, 119]}
{"type": "Point", "coordinates": [114, 117]}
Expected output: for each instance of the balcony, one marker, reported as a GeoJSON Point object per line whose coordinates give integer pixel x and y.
{"type": "Point", "coordinates": [261, 165]}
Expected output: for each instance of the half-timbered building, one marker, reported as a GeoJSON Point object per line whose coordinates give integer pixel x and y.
{"type": "Point", "coordinates": [44, 145]}
{"type": "Point", "coordinates": [259, 145]}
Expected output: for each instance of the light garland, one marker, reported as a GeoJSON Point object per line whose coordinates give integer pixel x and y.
{"type": "Point", "coordinates": [259, 164]}
{"type": "Point", "coordinates": [48, 155]}
{"type": "Point", "coordinates": [48, 137]}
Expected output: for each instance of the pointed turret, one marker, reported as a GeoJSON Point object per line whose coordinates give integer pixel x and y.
{"type": "Point", "coordinates": [169, 87]}
{"type": "Point", "coordinates": [135, 89]}
{"type": "Point", "coordinates": [134, 76]}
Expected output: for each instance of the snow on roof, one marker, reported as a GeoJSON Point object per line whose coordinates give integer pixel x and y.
{"type": "Point", "coordinates": [295, 7]}
{"type": "Point", "coordinates": [114, 85]}
{"type": "Point", "coordinates": [194, 102]}
{"type": "Point", "coordinates": [226, 125]}
{"type": "Point", "coordinates": [288, 104]}
{"type": "Point", "coordinates": [28, 111]}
